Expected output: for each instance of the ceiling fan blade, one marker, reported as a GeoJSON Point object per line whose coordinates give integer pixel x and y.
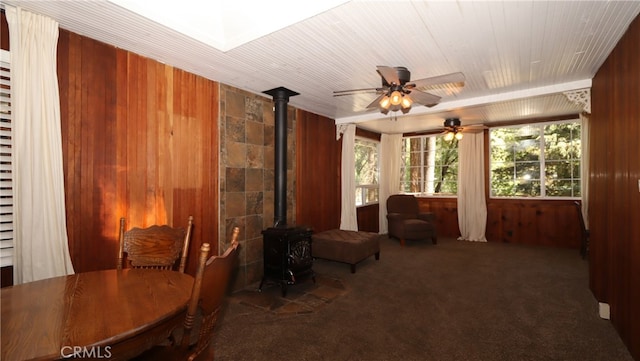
{"type": "Point", "coordinates": [353, 91]}
{"type": "Point", "coordinates": [473, 128]}
{"type": "Point", "coordinates": [389, 74]}
{"type": "Point", "coordinates": [435, 80]}
{"type": "Point", "coordinates": [376, 101]}
{"type": "Point", "coordinates": [425, 99]}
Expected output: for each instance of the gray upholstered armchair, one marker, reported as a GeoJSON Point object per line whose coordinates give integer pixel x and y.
{"type": "Point", "coordinates": [406, 222]}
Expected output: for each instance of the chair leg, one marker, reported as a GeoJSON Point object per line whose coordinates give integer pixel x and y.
{"type": "Point", "coordinates": [434, 239]}
{"type": "Point", "coordinates": [402, 242]}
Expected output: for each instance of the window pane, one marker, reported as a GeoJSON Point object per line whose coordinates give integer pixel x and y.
{"type": "Point", "coordinates": [562, 141]}
{"type": "Point", "coordinates": [372, 195]}
{"type": "Point", "coordinates": [366, 153]}
{"type": "Point", "coordinates": [536, 160]}
{"type": "Point", "coordinates": [429, 165]}
{"type": "Point", "coordinates": [576, 187]}
{"type": "Point", "coordinates": [527, 170]}
{"type": "Point", "coordinates": [559, 188]}
{"type": "Point", "coordinates": [367, 171]}
{"type": "Point", "coordinates": [561, 169]}
{"type": "Point", "coordinates": [527, 188]}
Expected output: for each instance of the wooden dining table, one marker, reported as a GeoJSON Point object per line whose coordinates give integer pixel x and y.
{"type": "Point", "coordinates": [108, 314]}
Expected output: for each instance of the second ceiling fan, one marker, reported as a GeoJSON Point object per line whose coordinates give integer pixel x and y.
{"type": "Point", "coordinates": [398, 92]}
{"type": "Point", "coordinates": [453, 129]}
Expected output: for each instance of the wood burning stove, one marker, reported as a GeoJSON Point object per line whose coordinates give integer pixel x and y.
{"type": "Point", "coordinates": [287, 256]}
{"type": "Point", "coordinates": [287, 250]}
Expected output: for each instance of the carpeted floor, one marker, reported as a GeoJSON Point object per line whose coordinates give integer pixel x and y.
{"type": "Point", "coordinates": [451, 301]}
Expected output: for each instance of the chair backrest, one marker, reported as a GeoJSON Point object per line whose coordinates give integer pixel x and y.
{"type": "Point", "coordinates": [211, 285]}
{"type": "Point", "coordinates": [154, 247]}
{"type": "Point", "coordinates": [402, 203]}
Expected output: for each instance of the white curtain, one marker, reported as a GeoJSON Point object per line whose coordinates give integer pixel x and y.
{"type": "Point", "coordinates": [348, 215]}
{"type": "Point", "coordinates": [390, 148]}
{"type": "Point", "coordinates": [584, 171]}
{"type": "Point", "coordinates": [472, 207]}
{"type": "Point", "coordinates": [40, 232]}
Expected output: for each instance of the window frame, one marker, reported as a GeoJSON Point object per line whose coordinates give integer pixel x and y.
{"type": "Point", "coordinates": [366, 187]}
{"type": "Point", "coordinates": [423, 182]}
{"type": "Point", "coordinates": [542, 161]}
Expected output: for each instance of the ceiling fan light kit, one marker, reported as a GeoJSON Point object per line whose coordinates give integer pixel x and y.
{"type": "Point", "coordinates": [397, 85]}
{"type": "Point", "coordinates": [452, 126]}
{"type": "Point", "coordinates": [453, 129]}
{"type": "Point", "coordinates": [395, 100]}
{"type": "Point", "coordinates": [406, 102]}
{"type": "Point", "coordinates": [451, 135]}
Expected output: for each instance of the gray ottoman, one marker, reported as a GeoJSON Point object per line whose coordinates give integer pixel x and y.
{"type": "Point", "coordinates": [345, 246]}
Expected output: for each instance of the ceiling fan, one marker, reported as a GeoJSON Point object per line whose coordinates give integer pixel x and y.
{"type": "Point", "coordinates": [453, 129]}
{"type": "Point", "coordinates": [398, 92]}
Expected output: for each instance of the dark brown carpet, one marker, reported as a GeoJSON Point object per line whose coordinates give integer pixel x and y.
{"type": "Point", "coordinates": [451, 301]}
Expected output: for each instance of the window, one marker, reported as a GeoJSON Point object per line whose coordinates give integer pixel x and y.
{"type": "Point", "coordinates": [367, 171]}
{"type": "Point", "coordinates": [6, 190]}
{"type": "Point", "coordinates": [536, 160]}
{"type": "Point", "coordinates": [429, 165]}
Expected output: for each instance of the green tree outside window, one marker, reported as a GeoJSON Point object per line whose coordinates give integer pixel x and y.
{"type": "Point", "coordinates": [536, 160]}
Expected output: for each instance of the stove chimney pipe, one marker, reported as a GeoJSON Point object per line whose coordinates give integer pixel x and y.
{"type": "Point", "coordinates": [280, 98]}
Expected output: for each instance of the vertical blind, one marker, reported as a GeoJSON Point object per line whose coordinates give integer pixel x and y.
{"type": "Point", "coordinates": [6, 178]}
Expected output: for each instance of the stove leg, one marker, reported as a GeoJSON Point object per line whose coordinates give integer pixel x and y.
{"type": "Point", "coordinates": [261, 282]}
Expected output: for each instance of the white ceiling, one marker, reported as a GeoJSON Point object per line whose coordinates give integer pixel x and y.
{"type": "Point", "coordinates": [518, 56]}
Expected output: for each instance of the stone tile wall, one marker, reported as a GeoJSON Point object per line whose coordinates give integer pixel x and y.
{"type": "Point", "coordinates": [247, 175]}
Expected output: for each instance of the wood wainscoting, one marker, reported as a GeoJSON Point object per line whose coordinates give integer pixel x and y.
{"type": "Point", "coordinates": [368, 218]}
{"type": "Point", "coordinates": [446, 211]}
{"type": "Point", "coordinates": [551, 223]}
{"type": "Point", "coordinates": [532, 222]}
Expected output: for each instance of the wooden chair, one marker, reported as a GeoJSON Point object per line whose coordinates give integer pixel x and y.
{"type": "Point", "coordinates": [210, 287]}
{"type": "Point", "coordinates": [154, 247]}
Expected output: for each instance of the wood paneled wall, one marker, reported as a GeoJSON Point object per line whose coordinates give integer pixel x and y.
{"type": "Point", "coordinates": [140, 140]}
{"type": "Point", "coordinates": [532, 222]}
{"type": "Point", "coordinates": [614, 194]}
{"type": "Point", "coordinates": [318, 160]}
{"type": "Point", "coordinates": [446, 211]}
{"type": "Point", "coordinates": [368, 218]}
{"type": "Point", "coordinates": [552, 223]}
